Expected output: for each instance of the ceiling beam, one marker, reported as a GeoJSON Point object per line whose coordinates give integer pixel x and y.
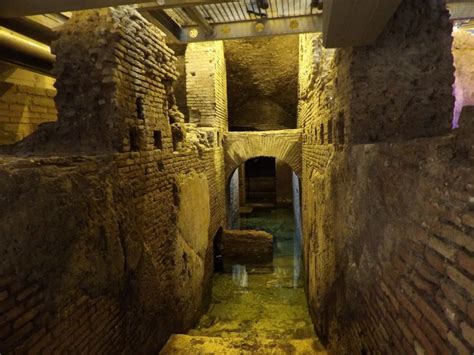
{"type": "Point", "coordinates": [196, 16]}
{"type": "Point", "coordinates": [171, 4]}
{"type": "Point", "coordinates": [18, 8]}
{"type": "Point", "coordinates": [350, 23]}
{"type": "Point", "coordinates": [256, 28]}
{"type": "Point", "coordinates": [165, 23]}
{"type": "Point", "coordinates": [461, 10]}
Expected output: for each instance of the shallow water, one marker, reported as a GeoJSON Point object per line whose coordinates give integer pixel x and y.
{"type": "Point", "coordinates": [269, 305]}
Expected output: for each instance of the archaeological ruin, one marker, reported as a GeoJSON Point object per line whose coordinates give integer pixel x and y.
{"type": "Point", "coordinates": [237, 177]}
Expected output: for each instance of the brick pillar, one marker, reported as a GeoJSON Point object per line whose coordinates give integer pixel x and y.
{"type": "Point", "coordinates": [114, 72]}
{"type": "Point", "coordinates": [206, 84]}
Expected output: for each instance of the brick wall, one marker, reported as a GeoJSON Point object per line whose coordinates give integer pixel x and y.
{"type": "Point", "coordinates": [349, 93]}
{"type": "Point", "coordinates": [463, 53]}
{"type": "Point", "coordinates": [387, 227]}
{"type": "Point", "coordinates": [97, 251]}
{"type": "Point", "coordinates": [206, 84]}
{"type": "Point", "coordinates": [26, 100]}
{"type": "Point", "coordinates": [242, 146]}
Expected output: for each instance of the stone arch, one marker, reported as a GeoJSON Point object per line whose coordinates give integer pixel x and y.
{"type": "Point", "coordinates": [283, 144]}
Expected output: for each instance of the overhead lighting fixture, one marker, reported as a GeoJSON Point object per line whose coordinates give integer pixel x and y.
{"type": "Point", "coordinates": [263, 4]}
{"type": "Point", "coordinates": [258, 7]}
{"type": "Point", "coordinates": [193, 32]}
{"type": "Point", "coordinates": [259, 26]}
{"type": "Point", "coordinates": [318, 4]}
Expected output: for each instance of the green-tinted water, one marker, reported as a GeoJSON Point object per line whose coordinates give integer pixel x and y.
{"type": "Point", "coordinates": [270, 305]}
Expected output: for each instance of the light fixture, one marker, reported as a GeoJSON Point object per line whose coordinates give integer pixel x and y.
{"type": "Point", "coordinates": [193, 32]}
{"type": "Point", "coordinates": [294, 24]}
{"type": "Point", "coordinates": [259, 26]}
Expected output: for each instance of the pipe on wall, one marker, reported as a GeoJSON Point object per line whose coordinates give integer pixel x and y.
{"type": "Point", "coordinates": [29, 28]}
{"type": "Point", "coordinates": [19, 51]}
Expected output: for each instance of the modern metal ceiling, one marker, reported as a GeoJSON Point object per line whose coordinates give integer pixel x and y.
{"type": "Point", "coordinates": [245, 10]}
{"type": "Point", "coordinates": [216, 19]}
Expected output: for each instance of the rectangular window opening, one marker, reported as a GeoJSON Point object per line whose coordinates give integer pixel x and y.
{"type": "Point", "coordinates": [157, 141]}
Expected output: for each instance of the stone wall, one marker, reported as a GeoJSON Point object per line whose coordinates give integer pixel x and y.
{"type": "Point", "coordinates": [242, 146]}
{"type": "Point", "coordinates": [463, 53]}
{"type": "Point", "coordinates": [26, 100]}
{"type": "Point", "coordinates": [206, 84]}
{"type": "Point", "coordinates": [109, 251]}
{"type": "Point", "coordinates": [387, 227]}
{"type": "Point", "coordinates": [262, 82]}
{"type": "Point", "coordinates": [415, 83]}
{"type": "Point", "coordinates": [284, 190]}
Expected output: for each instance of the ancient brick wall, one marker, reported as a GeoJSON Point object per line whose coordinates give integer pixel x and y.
{"type": "Point", "coordinates": [350, 92]}
{"type": "Point", "coordinates": [242, 146]}
{"type": "Point", "coordinates": [109, 251]}
{"type": "Point", "coordinates": [206, 84]}
{"type": "Point", "coordinates": [26, 100]}
{"type": "Point", "coordinates": [463, 53]}
{"type": "Point", "coordinates": [387, 227]}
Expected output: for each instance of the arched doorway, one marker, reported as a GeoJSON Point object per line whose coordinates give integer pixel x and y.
{"type": "Point", "coordinates": [263, 193]}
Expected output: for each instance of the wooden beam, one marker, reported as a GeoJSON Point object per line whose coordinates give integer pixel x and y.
{"type": "Point", "coordinates": [350, 23]}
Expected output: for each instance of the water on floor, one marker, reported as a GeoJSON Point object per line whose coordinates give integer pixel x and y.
{"type": "Point", "coordinates": [268, 305]}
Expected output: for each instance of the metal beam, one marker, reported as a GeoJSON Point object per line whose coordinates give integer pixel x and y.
{"type": "Point", "coordinates": [165, 23]}
{"type": "Point", "coordinates": [461, 10]}
{"type": "Point", "coordinates": [196, 16]}
{"type": "Point", "coordinates": [257, 28]}
{"type": "Point", "coordinates": [350, 23]}
{"type": "Point", "coordinates": [18, 8]}
{"type": "Point", "coordinates": [171, 4]}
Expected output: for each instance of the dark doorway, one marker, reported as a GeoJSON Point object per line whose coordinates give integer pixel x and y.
{"type": "Point", "coordinates": [260, 176]}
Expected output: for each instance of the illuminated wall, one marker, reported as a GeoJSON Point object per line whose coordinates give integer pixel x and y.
{"type": "Point", "coordinates": [387, 222]}
{"type": "Point", "coordinates": [463, 53]}
{"type": "Point", "coordinates": [26, 100]}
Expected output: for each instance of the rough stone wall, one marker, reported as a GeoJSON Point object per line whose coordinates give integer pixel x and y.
{"type": "Point", "coordinates": [98, 254]}
{"type": "Point", "coordinates": [262, 82]}
{"type": "Point", "coordinates": [389, 249]}
{"type": "Point", "coordinates": [463, 53]}
{"type": "Point", "coordinates": [387, 227]}
{"type": "Point", "coordinates": [26, 100]}
{"type": "Point", "coordinates": [415, 83]}
{"type": "Point", "coordinates": [284, 190]}
{"type": "Point", "coordinates": [206, 84]}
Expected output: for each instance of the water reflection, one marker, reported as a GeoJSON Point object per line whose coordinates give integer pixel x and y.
{"type": "Point", "coordinates": [239, 275]}
{"type": "Point", "coordinates": [264, 302]}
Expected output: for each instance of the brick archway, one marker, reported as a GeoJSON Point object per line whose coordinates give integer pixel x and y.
{"type": "Point", "coordinates": [283, 144]}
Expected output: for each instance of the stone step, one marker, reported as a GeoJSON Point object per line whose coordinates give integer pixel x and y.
{"type": "Point", "coordinates": [188, 344]}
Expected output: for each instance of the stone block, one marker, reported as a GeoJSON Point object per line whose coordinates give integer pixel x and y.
{"type": "Point", "coordinates": [246, 247]}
